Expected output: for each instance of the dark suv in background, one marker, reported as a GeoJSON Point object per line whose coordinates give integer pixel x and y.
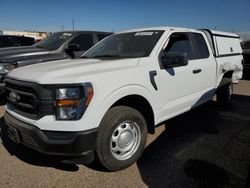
{"type": "Point", "coordinates": [60, 45]}
{"type": "Point", "coordinates": [246, 55]}
{"type": "Point", "coordinates": [11, 40]}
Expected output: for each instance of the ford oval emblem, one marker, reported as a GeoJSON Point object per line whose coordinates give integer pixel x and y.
{"type": "Point", "coordinates": [14, 97]}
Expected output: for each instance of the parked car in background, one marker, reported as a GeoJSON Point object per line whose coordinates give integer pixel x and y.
{"type": "Point", "coordinates": [246, 54]}
{"type": "Point", "coordinates": [103, 105]}
{"type": "Point", "coordinates": [11, 40]}
{"type": "Point", "coordinates": [60, 45]}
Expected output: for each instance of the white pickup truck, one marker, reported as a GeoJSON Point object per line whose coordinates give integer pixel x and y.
{"type": "Point", "coordinates": [103, 105]}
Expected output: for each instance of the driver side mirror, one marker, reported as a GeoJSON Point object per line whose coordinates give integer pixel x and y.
{"type": "Point", "coordinates": [170, 60]}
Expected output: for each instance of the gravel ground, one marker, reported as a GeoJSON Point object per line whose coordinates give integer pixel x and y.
{"type": "Point", "coordinates": [207, 147]}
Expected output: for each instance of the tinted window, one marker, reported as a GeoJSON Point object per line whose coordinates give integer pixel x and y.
{"type": "Point", "coordinates": [5, 42]}
{"type": "Point", "coordinates": [180, 43]}
{"type": "Point", "coordinates": [27, 40]}
{"type": "Point", "coordinates": [21, 41]}
{"type": "Point", "coordinates": [101, 36]}
{"type": "Point", "coordinates": [200, 46]}
{"type": "Point", "coordinates": [85, 41]}
{"type": "Point", "coordinates": [16, 41]}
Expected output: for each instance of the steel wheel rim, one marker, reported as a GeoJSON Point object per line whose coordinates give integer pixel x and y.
{"type": "Point", "coordinates": [125, 140]}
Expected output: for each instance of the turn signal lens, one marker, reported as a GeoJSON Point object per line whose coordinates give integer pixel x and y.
{"type": "Point", "coordinates": [89, 95]}
{"type": "Point", "coordinates": [67, 102]}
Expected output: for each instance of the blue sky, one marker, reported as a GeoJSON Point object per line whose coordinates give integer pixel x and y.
{"type": "Point", "coordinates": [50, 15]}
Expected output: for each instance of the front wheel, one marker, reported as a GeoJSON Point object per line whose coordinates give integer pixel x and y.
{"type": "Point", "coordinates": [121, 138]}
{"type": "Point", "coordinates": [224, 94]}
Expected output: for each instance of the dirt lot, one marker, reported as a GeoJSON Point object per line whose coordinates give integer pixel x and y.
{"type": "Point", "coordinates": [207, 147]}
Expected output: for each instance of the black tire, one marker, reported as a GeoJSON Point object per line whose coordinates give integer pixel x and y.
{"type": "Point", "coordinates": [224, 95]}
{"type": "Point", "coordinates": [110, 127]}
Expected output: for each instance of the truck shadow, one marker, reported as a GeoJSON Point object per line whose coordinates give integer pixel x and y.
{"type": "Point", "coordinates": [169, 161]}
{"type": "Point", "coordinates": [32, 157]}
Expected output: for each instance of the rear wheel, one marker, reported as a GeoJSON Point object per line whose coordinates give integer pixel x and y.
{"type": "Point", "coordinates": [121, 138]}
{"type": "Point", "coordinates": [224, 94]}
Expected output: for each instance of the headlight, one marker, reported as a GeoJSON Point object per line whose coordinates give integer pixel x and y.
{"type": "Point", "coordinates": [71, 102]}
{"type": "Point", "coordinates": [5, 68]}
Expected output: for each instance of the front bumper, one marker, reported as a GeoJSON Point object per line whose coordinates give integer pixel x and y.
{"type": "Point", "coordinates": [77, 144]}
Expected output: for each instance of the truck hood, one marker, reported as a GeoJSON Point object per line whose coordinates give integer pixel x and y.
{"type": "Point", "coordinates": [19, 53]}
{"type": "Point", "coordinates": [67, 71]}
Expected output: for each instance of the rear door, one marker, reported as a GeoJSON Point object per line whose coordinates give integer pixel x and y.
{"type": "Point", "coordinates": [205, 62]}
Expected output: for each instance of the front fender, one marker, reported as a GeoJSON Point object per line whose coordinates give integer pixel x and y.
{"type": "Point", "coordinates": [123, 92]}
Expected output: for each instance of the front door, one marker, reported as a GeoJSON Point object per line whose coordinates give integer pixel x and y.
{"type": "Point", "coordinates": [180, 85]}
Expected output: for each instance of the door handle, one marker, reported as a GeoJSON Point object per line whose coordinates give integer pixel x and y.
{"type": "Point", "coordinates": [196, 71]}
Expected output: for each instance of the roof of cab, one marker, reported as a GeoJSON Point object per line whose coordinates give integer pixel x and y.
{"type": "Point", "coordinates": [166, 28]}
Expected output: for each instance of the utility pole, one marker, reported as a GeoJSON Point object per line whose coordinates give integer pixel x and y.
{"type": "Point", "coordinates": [62, 27]}
{"type": "Point", "coordinates": [73, 24]}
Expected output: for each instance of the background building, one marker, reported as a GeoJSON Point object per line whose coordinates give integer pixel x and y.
{"type": "Point", "coordinates": [35, 34]}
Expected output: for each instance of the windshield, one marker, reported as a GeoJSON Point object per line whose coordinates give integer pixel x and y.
{"type": "Point", "coordinates": [125, 45]}
{"type": "Point", "coordinates": [245, 45]}
{"type": "Point", "coordinates": [54, 41]}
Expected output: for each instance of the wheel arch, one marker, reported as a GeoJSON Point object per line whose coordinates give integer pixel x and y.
{"type": "Point", "coordinates": [226, 78]}
{"type": "Point", "coordinates": [142, 105]}
{"type": "Point", "coordinates": [132, 96]}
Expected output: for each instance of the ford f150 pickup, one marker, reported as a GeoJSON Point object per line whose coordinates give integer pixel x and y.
{"type": "Point", "coordinates": [103, 105]}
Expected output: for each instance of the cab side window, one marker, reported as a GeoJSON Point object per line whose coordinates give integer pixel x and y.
{"type": "Point", "coordinates": [180, 43]}
{"type": "Point", "coordinates": [200, 45]}
{"type": "Point", "coordinates": [85, 41]}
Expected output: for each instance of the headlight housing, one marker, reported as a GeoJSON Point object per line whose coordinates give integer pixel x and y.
{"type": "Point", "coordinates": [72, 101]}
{"type": "Point", "coordinates": [5, 68]}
